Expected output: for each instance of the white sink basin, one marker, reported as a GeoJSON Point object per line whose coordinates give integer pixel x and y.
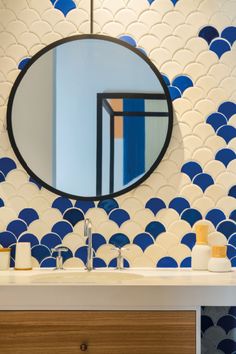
{"type": "Point", "coordinates": [85, 277]}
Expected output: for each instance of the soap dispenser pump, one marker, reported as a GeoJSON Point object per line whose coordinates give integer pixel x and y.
{"type": "Point", "coordinates": [201, 251]}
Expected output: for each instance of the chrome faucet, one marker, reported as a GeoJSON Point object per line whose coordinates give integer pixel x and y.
{"type": "Point", "coordinates": [88, 234]}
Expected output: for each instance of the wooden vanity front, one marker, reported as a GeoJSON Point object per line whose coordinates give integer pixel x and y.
{"type": "Point", "coordinates": [98, 332]}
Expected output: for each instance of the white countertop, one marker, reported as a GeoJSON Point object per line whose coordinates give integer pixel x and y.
{"type": "Point", "coordinates": [102, 289]}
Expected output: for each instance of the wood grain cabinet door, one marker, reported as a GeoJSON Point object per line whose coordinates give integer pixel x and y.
{"type": "Point", "coordinates": [97, 332]}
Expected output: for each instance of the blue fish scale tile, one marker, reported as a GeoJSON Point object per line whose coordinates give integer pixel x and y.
{"type": "Point", "coordinates": [228, 109]}
{"type": "Point", "coordinates": [22, 64]}
{"type": "Point", "coordinates": [62, 228]}
{"type": "Point", "coordinates": [28, 215]}
{"type": "Point", "coordinates": [40, 252]}
{"type": "Point", "coordinates": [73, 215]}
{"type": "Point", "coordinates": [208, 33]}
{"type": "Point", "coordinates": [99, 263]}
{"type": "Point", "coordinates": [191, 216]}
{"type": "Point", "coordinates": [84, 205]}
{"type": "Point", "coordinates": [182, 83]}
{"type": "Point", "coordinates": [227, 132]}
{"type": "Point", "coordinates": [191, 169]}
{"type": "Point", "coordinates": [229, 33]}
{"type": "Point", "coordinates": [143, 240]}
{"type": "Point", "coordinates": [228, 346]}
{"type": "Point", "coordinates": [108, 205]}
{"type": "Point", "coordinates": [186, 263]}
{"type": "Point", "coordinates": [203, 180]}
{"type": "Point", "coordinates": [27, 237]}
{"type": "Point", "coordinates": [174, 92]}
{"type": "Point", "coordinates": [62, 204]}
{"type": "Point", "coordinates": [216, 120]}
{"type": "Point", "coordinates": [167, 262]}
{"type": "Point", "coordinates": [51, 240]}
{"type": "Point", "coordinates": [227, 228]}
{"type": "Point", "coordinates": [7, 238]}
{"type": "Point", "coordinates": [225, 156]}
{"type": "Point", "coordinates": [155, 228]}
{"type": "Point", "coordinates": [155, 204]}
{"type": "Point", "coordinates": [49, 262]}
{"type": "Point", "coordinates": [189, 240]}
{"type": "Point", "coordinates": [65, 6]}
{"type": "Point", "coordinates": [119, 216]}
{"type": "Point", "coordinates": [215, 216]}
{"type": "Point", "coordinates": [7, 165]}
{"type": "Point", "coordinates": [179, 204]}
{"type": "Point", "coordinates": [220, 46]}
{"type": "Point", "coordinates": [17, 227]}
{"type": "Point", "coordinates": [119, 240]}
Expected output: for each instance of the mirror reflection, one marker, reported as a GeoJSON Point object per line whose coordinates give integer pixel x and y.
{"type": "Point", "coordinates": [90, 117]}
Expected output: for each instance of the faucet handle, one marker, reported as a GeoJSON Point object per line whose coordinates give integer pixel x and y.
{"type": "Point", "coordinates": [59, 250]}
{"type": "Point", "coordinates": [120, 258]}
{"type": "Point", "coordinates": [120, 249]}
{"type": "Point", "coordinates": [59, 259]}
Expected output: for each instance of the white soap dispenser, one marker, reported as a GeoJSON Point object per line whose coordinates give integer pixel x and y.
{"type": "Point", "coordinates": [201, 252]}
{"type": "Point", "coordinates": [219, 261]}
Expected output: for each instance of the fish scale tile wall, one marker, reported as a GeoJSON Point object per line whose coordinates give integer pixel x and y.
{"type": "Point", "coordinates": [193, 45]}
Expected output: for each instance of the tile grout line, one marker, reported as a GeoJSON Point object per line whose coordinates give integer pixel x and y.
{"type": "Point", "coordinates": [91, 16]}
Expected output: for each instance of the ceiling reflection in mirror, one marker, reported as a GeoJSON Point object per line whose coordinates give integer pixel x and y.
{"type": "Point", "coordinates": [90, 117]}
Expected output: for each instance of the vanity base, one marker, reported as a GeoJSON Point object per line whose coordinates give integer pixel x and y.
{"type": "Point", "coordinates": [98, 332]}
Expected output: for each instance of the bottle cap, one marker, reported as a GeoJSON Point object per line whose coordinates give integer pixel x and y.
{"type": "Point", "coordinates": [5, 249]}
{"type": "Point", "coordinates": [218, 251]}
{"type": "Point", "coordinates": [201, 234]}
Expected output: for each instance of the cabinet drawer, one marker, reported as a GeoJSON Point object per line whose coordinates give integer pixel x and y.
{"type": "Point", "coordinates": [99, 332]}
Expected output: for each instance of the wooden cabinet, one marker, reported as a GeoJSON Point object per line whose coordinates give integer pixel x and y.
{"type": "Point", "coordinates": [97, 332]}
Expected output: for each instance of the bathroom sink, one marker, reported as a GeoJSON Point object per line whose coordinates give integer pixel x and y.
{"type": "Point", "coordinates": [85, 277]}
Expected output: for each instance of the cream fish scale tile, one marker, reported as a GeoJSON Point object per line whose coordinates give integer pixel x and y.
{"type": "Point", "coordinates": [73, 241]}
{"type": "Point", "coordinates": [179, 253]}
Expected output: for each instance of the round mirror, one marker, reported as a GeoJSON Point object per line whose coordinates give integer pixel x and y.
{"type": "Point", "coordinates": [89, 117]}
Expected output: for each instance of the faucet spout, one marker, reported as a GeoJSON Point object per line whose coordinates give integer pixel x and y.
{"type": "Point", "coordinates": [88, 234]}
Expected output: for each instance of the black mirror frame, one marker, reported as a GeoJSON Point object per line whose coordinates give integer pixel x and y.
{"type": "Point", "coordinates": [18, 81]}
